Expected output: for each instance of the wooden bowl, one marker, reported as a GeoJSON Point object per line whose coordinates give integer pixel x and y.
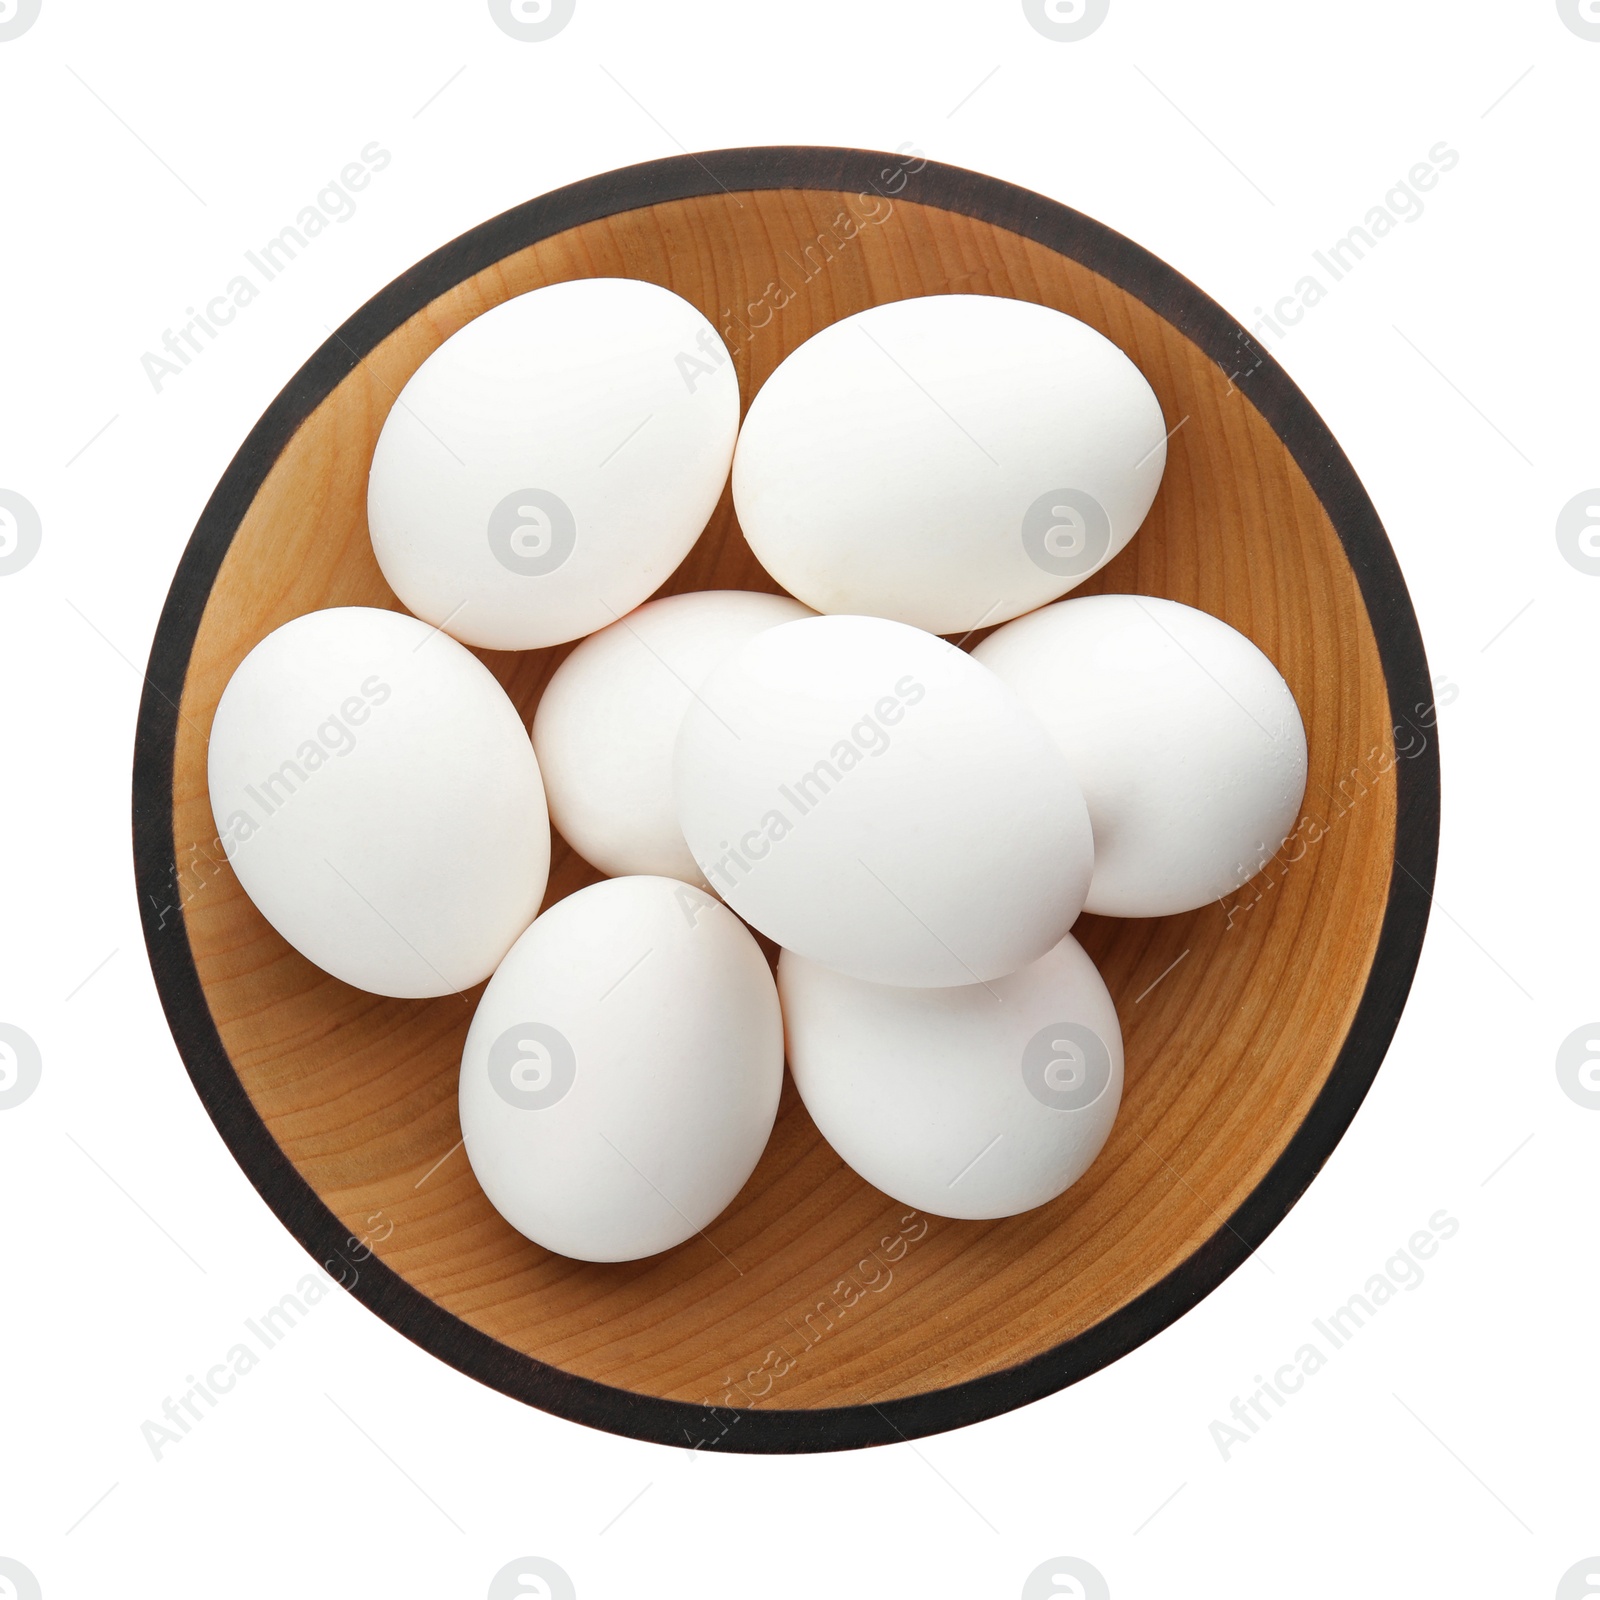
{"type": "Point", "coordinates": [819, 1314]}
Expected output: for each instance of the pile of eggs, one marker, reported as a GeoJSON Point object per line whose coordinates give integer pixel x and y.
{"type": "Point", "coordinates": [916, 826]}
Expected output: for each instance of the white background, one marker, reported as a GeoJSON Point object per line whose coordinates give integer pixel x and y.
{"type": "Point", "coordinates": [1450, 1447]}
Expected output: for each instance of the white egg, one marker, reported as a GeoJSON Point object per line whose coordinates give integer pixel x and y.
{"type": "Point", "coordinates": [1186, 739]}
{"type": "Point", "coordinates": [870, 796]}
{"type": "Point", "coordinates": [379, 800]}
{"type": "Point", "coordinates": [549, 465]}
{"type": "Point", "coordinates": [621, 1075]}
{"type": "Point", "coordinates": [979, 1101]}
{"type": "Point", "coordinates": [608, 721]}
{"type": "Point", "coordinates": [950, 461]}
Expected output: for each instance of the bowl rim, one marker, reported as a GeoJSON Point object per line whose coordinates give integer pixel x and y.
{"type": "Point", "coordinates": [753, 1430]}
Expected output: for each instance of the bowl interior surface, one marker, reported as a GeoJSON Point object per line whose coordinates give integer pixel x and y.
{"type": "Point", "coordinates": [813, 1289]}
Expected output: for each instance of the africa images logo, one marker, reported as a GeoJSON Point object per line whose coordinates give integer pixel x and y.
{"type": "Point", "coordinates": [21, 532]}
{"type": "Point", "coordinates": [532, 1066]}
{"type": "Point", "coordinates": [531, 1578]}
{"type": "Point", "coordinates": [532, 532]}
{"type": "Point", "coordinates": [16, 1581]}
{"type": "Point", "coordinates": [21, 1066]}
{"type": "Point", "coordinates": [1066, 1066]}
{"type": "Point", "coordinates": [16, 17]}
{"type": "Point", "coordinates": [1066, 533]}
{"type": "Point", "coordinates": [532, 21]}
{"type": "Point", "coordinates": [1066, 21]}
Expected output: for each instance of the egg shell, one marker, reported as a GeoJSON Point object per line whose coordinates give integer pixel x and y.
{"type": "Point", "coordinates": [1186, 739]}
{"type": "Point", "coordinates": [608, 722]}
{"type": "Point", "coordinates": [868, 795]}
{"type": "Point", "coordinates": [621, 1074]}
{"type": "Point", "coordinates": [379, 800]}
{"type": "Point", "coordinates": [949, 461]}
{"type": "Point", "coordinates": [975, 1102]}
{"type": "Point", "coordinates": [547, 467]}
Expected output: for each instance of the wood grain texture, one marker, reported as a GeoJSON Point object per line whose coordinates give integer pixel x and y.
{"type": "Point", "coordinates": [1232, 1016]}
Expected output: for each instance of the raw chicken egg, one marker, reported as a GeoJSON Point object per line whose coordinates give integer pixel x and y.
{"type": "Point", "coordinates": [608, 721]}
{"type": "Point", "coordinates": [869, 796]}
{"type": "Point", "coordinates": [621, 1074]}
{"type": "Point", "coordinates": [1184, 736]}
{"type": "Point", "coordinates": [978, 1101]}
{"type": "Point", "coordinates": [378, 798]}
{"type": "Point", "coordinates": [549, 464]}
{"type": "Point", "coordinates": [949, 461]}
